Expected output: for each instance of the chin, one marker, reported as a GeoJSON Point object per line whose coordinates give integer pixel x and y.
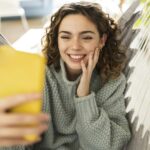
{"type": "Point", "coordinates": [74, 67]}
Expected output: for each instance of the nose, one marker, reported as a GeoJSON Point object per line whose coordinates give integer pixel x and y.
{"type": "Point", "coordinates": [76, 44]}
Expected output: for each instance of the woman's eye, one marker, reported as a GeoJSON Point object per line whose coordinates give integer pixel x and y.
{"type": "Point", "coordinates": [87, 38]}
{"type": "Point", "coordinates": [65, 37]}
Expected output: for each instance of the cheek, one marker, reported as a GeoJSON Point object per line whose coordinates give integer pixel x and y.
{"type": "Point", "coordinates": [61, 46]}
{"type": "Point", "coordinates": [92, 46]}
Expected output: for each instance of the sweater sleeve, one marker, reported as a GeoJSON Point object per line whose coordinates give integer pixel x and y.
{"type": "Point", "coordinates": [101, 122]}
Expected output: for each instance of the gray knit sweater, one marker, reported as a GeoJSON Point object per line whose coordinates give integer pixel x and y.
{"type": "Point", "coordinates": [93, 122]}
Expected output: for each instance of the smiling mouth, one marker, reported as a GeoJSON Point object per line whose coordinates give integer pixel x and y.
{"type": "Point", "coordinates": [76, 57]}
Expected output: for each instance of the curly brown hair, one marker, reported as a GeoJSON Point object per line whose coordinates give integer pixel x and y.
{"type": "Point", "coordinates": [111, 59]}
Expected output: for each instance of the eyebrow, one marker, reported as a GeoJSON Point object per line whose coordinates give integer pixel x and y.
{"type": "Point", "coordinates": [83, 32]}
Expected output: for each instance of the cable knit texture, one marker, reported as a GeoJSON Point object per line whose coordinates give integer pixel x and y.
{"type": "Point", "coordinates": [93, 122]}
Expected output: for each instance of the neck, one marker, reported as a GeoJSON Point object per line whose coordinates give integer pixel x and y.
{"type": "Point", "coordinates": [72, 74]}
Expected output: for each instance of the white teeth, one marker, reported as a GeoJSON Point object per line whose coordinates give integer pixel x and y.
{"type": "Point", "coordinates": [76, 56]}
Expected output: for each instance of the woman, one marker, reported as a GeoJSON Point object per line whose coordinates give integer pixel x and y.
{"type": "Point", "coordinates": [84, 83]}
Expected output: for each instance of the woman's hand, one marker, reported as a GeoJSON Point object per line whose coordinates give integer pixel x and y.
{"type": "Point", "coordinates": [14, 126]}
{"type": "Point", "coordinates": [83, 87]}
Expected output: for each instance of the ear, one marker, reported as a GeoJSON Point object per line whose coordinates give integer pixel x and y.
{"type": "Point", "coordinates": [103, 40]}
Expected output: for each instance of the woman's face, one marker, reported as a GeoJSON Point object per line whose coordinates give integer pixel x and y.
{"type": "Point", "coordinates": [77, 37]}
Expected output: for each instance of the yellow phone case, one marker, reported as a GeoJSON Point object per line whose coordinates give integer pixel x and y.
{"type": "Point", "coordinates": [22, 73]}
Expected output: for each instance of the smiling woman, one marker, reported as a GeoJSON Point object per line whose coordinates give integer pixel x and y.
{"type": "Point", "coordinates": [85, 67]}
{"type": "Point", "coordinates": [84, 82]}
{"type": "Point", "coordinates": [77, 40]}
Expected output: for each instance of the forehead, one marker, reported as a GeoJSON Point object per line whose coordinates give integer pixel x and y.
{"type": "Point", "coordinates": [76, 21]}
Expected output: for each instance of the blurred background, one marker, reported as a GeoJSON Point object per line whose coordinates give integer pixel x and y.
{"type": "Point", "coordinates": [22, 23]}
{"type": "Point", "coordinates": [17, 17]}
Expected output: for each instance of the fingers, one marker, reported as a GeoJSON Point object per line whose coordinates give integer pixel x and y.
{"type": "Point", "coordinates": [92, 61]}
{"type": "Point", "coordinates": [96, 56]}
{"type": "Point", "coordinates": [15, 129]}
{"type": "Point", "coordinates": [14, 119]}
{"type": "Point", "coordinates": [12, 101]}
{"type": "Point", "coordinates": [83, 87]}
{"type": "Point", "coordinates": [93, 58]}
{"type": "Point", "coordinates": [20, 132]}
{"type": "Point", "coordinates": [83, 66]}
